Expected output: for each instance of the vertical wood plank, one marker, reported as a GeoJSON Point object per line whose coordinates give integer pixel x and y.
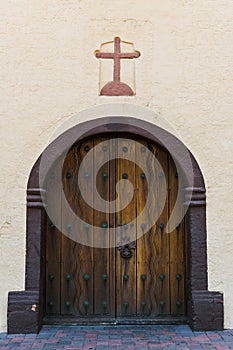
{"type": "Point", "coordinates": [177, 250]}
{"type": "Point", "coordinates": [102, 274]}
{"type": "Point", "coordinates": [145, 256]}
{"type": "Point", "coordinates": [126, 289]}
{"type": "Point", "coordinates": [153, 247]}
{"type": "Point", "coordinates": [160, 239]}
{"type": "Point", "coordinates": [112, 224]}
{"type": "Point", "coordinates": [77, 259]}
{"type": "Point", "coordinates": [53, 244]}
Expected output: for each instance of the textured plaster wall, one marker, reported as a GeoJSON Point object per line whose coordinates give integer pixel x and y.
{"type": "Point", "coordinates": [48, 72]}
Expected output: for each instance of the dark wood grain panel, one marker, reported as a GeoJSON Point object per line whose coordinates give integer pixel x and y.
{"type": "Point", "coordinates": [160, 239]}
{"type": "Point", "coordinates": [177, 249]}
{"type": "Point", "coordinates": [112, 225]}
{"type": "Point", "coordinates": [146, 258]}
{"type": "Point", "coordinates": [77, 259]}
{"type": "Point", "coordinates": [68, 260]}
{"type": "Point", "coordinates": [102, 265]}
{"type": "Point", "coordinates": [53, 243]}
{"type": "Point", "coordinates": [126, 286]}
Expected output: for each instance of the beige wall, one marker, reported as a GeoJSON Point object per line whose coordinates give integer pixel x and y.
{"type": "Point", "coordinates": [48, 72]}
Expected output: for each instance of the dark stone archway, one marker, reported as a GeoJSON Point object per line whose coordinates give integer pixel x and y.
{"type": "Point", "coordinates": [204, 309]}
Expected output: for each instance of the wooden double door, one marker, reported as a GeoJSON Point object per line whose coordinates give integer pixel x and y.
{"type": "Point", "coordinates": [142, 277]}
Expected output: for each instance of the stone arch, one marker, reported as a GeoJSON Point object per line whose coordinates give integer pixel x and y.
{"type": "Point", "coordinates": [205, 308]}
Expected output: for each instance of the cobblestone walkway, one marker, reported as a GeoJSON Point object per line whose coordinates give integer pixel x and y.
{"type": "Point", "coordinates": [120, 337]}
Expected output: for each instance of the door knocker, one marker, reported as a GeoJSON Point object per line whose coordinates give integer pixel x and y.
{"type": "Point", "coordinates": [126, 250]}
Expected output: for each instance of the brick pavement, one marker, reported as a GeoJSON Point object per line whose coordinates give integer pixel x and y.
{"type": "Point", "coordinates": [118, 337]}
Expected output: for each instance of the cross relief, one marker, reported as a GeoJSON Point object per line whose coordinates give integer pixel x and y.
{"type": "Point", "coordinates": [116, 87]}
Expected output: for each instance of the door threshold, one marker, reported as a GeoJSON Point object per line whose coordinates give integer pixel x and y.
{"type": "Point", "coordinates": [81, 321]}
{"type": "Point", "coordinates": [98, 321]}
{"type": "Point", "coordinates": [152, 321]}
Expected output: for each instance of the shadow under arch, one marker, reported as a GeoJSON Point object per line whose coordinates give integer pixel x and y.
{"type": "Point", "coordinates": [204, 309]}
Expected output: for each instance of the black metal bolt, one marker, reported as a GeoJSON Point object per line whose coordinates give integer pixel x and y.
{"type": "Point", "coordinates": [143, 303]}
{"type": "Point", "coordinates": [125, 149]}
{"type": "Point", "coordinates": [126, 304]}
{"type": "Point", "coordinates": [143, 226]}
{"type": "Point", "coordinates": [68, 277]}
{"type": "Point", "coordinates": [177, 226]}
{"type": "Point", "coordinates": [86, 148]}
{"type": "Point", "coordinates": [50, 304]}
{"type": "Point", "coordinates": [143, 277]}
{"type": "Point", "coordinates": [125, 176]}
{"type": "Point", "coordinates": [86, 304]}
{"type": "Point", "coordinates": [178, 276]}
{"type": "Point", "coordinates": [178, 303]}
{"type": "Point", "coordinates": [125, 277]}
{"type": "Point", "coordinates": [104, 303]}
{"type": "Point", "coordinates": [162, 277]}
{"type": "Point", "coordinates": [162, 303]}
{"type": "Point", "coordinates": [143, 176]}
{"type": "Point", "coordinates": [105, 175]}
{"type": "Point", "coordinates": [51, 277]}
{"type": "Point", "coordinates": [68, 227]}
{"type": "Point", "coordinates": [86, 175]}
{"type": "Point", "coordinates": [86, 277]}
{"type": "Point", "coordinates": [143, 149]}
{"type": "Point", "coordinates": [86, 226]}
{"type": "Point", "coordinates": [104, 224]}
{"type": "Point", "coordinates": [68, 303]}
{"type": "Point", "coordinates": [104, 148]}
{"type": "Point", "coordinates": [104, 276]}
{"type": "Point", "coordinates": [52, 226]}
{"type": "Point", "coordinates": [161, 226]}
{"type": "Point", "coordinates": [68, 175]}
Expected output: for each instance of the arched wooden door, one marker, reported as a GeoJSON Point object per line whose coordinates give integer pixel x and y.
{"type": "Point", "coordinates": [141, 281]}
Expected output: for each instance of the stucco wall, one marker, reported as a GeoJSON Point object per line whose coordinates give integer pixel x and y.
{"type": "Point", "coordinates": [48, 72]}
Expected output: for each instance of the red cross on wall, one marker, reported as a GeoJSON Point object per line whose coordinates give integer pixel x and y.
{"type": "Point", "coordinates": [116, 87]}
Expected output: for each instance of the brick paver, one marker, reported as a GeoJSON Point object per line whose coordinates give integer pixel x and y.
{"type": "Point", "coordinates": [118, 337]}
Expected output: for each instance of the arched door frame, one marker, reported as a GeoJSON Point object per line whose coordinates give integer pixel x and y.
{"type": "Point", "coordinates": [204, 309]}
